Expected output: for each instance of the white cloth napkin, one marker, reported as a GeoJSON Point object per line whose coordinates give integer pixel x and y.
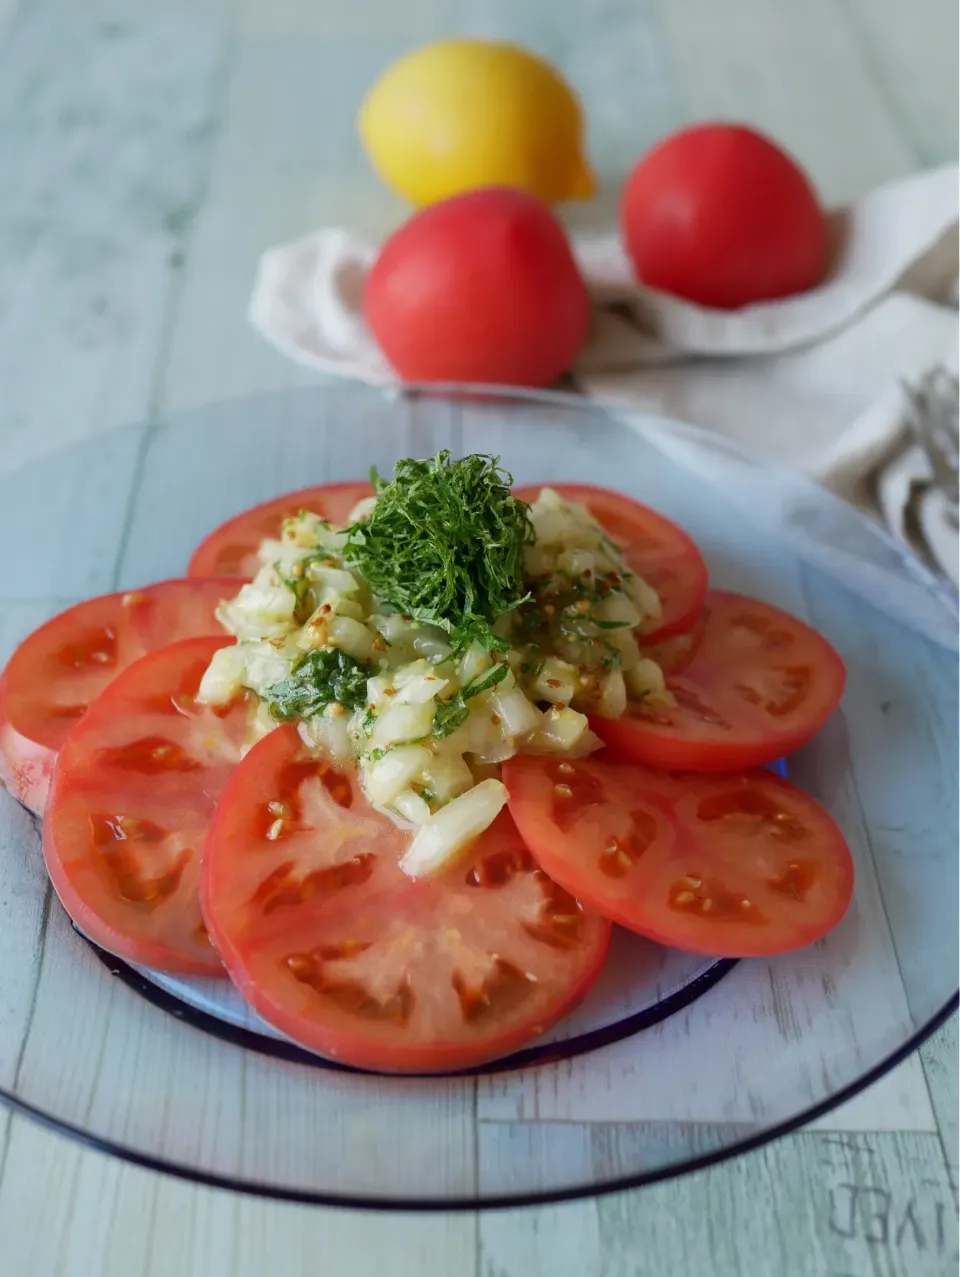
{"type": "Point", "coordinates": [813, 381]}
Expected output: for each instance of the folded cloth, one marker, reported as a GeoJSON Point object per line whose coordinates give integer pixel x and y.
{"type": "Point", "coordinates": [812, 381]}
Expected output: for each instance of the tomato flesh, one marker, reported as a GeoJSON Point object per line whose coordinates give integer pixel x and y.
{"type": "Point", "coordinates": [63, 666]}
{"type": "Point", "coordinates": [231, 549]}
{"type": "Point", "coordinates": [656, 549]}
{"type": "Point", "coordinates": [751, 684]}
{"type": "Point", "coordinates": [733, 865]}
{"type": "Point", "coordinates": [133, 791]}
{"type": "Point", "coordinates": [334, 945]}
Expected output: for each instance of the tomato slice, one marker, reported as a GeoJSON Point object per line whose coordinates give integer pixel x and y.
{"type": "Point", "coordinates": [751, 684]}
{"type": "Point", "coordinates": [133, 791]}
{"type": "Point", "coordinates": [231, 549]}
{"type": "Point", "coordinates": [61, 667]}
{"type": "Point", "coordinates": [735, 865]}
{"type": "Point", "coordinates": [331, 943]}
{"type": "Point", "coordinates": [656, 549]}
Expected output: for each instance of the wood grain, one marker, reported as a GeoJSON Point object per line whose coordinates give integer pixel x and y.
{"type": "Point", "coordinates": [97, 1217]}
{"type": "Point", "coordinates": [106, 110]}
{"type": "Point", "coordinates": [939, 1058]}
{"type": "Point", "coordinates": [798, 72]}
{"type": "Point", "coordinates": [813, 1206]}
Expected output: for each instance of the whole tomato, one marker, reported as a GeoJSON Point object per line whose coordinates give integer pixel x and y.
{"type": "Point", "coordinates": [720, 215]}
{"type": "Point", "coordinates": [479, 288]}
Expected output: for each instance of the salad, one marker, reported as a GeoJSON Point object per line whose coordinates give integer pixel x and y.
{"type": "Point", "coordinates": [395, 757]}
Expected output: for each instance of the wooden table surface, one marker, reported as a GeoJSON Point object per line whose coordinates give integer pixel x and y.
{"type": "Point", "coordinates": [150, 151]}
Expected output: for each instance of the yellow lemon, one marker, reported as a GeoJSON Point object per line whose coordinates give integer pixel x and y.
{"type": "Point", "coordinates": [461, 114]}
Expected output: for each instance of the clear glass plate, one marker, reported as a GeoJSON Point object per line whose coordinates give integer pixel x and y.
{"type": "Point", "coordinates": [674, 1061]}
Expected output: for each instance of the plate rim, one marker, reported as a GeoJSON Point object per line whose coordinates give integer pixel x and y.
{"type": "Point", "coordinates": [633, 418]}
{"type": "Point", "coordinates": [502, 1201]}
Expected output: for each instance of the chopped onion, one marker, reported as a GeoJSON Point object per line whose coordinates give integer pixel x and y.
{"type": "Point", "coordinates": [259, 611]}
{"type": "Point", "coordinates": [449, 831]}
{"type": "Point", "coordinates": [560, 731]}
{"type": "Point", "coordinates": [447, 775]}
{"type": "Point", "coordinates": [646, 681]}
{"type": "Point", "coordinates": [556, 682]}
{"type": "Point", "coordinates": [612, 697]}
{"type": "Point", "coordinates": [329, 735]}
{"type": "Point", "coordinates": [223, 677]}
{"type": "Point", "coordinates": [518, 717]}
{"type": "Point", "coordinates": [350, 636]}
{"type": "Point", "coordinates": [617, 608]}
{"type": "Point", "coordinates": [418, 683]}
{"type": "Point", "coordinates": [392, 773]}
{"type": "Point", "coordinates": [411, 807]}
{"type": "Point", "coordinates": [402, 722]}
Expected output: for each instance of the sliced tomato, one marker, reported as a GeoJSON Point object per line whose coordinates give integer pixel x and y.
{"type": "Point", "coordinates": [735, 865]}
{"type": "Point", "coordinates": [133, 791]}
{"type": "Point", "coordinates": [332, 944]}
{"type": "Point", "coordinates": [656, 549]}
{"type": "Point", "coordinates": [61, 667]}
{"type": "Point", "coordinates": [231, 549]}
{"type": "Point", "coordinates": [751, 684]}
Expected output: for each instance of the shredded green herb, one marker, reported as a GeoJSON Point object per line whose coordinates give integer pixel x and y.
{"type": "Point", "coordinates": [444, 544]}
{"type": "Point", "coordinates": [317, 680]}
{"type": "Point", "coordinates": [450, 714]}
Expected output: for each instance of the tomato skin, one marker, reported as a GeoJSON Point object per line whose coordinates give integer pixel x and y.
{"type": "Point", "coordinates": [331, 943]}
{"type": "Point", "coordinates": [480, 288]}
{"type": "Point", "coordinates": [231, 548]}
{"type": "Point", "coordinates": [657, 549]}
{"type": "Point", "coordinates": [752, 683]}
{"type": "Point", "coordinates": [69, 660]}
{"type": "Point", "coordinates": [734, 865]}
{"type": "Point", "coordinates": [26, 766]}
{"type": "Point", "coordinates": [720, 215]}
{"type": "Point", "coordinates": [133, 790]}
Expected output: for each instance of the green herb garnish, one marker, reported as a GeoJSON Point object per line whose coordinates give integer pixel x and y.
{"type": "Point", "coordinates": [444, 545]}
{"type": "Point", "coordinates": [317, 680]}
{"type": "Point", "coordinates": [450, 714]}
{"type": "Point", "coordinates": [299, 585]}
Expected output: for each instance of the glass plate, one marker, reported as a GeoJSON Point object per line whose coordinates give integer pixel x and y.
{"type": "Point", "coordinates": [674, 1061]}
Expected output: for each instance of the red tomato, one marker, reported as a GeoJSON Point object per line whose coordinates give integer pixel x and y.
{"type": "Point", "coordinates": [64, 665]}
{"type": "Point", "coordinates": [231, 549]}
{"type": "Point", "coordinates": [330, 942]}
{"type": "Point", "coordinates": [133, 792]}
{"type": "Point", "coordinates": [722, 216]}
{"type": "Point", "coordinates": [479, 288]}
{"type": "Point", "coordinates": [654, 547]}
{"type": "Point", "coordinates": [751, 684]}
{"type": "Point", "coordinates": [736, 865]}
